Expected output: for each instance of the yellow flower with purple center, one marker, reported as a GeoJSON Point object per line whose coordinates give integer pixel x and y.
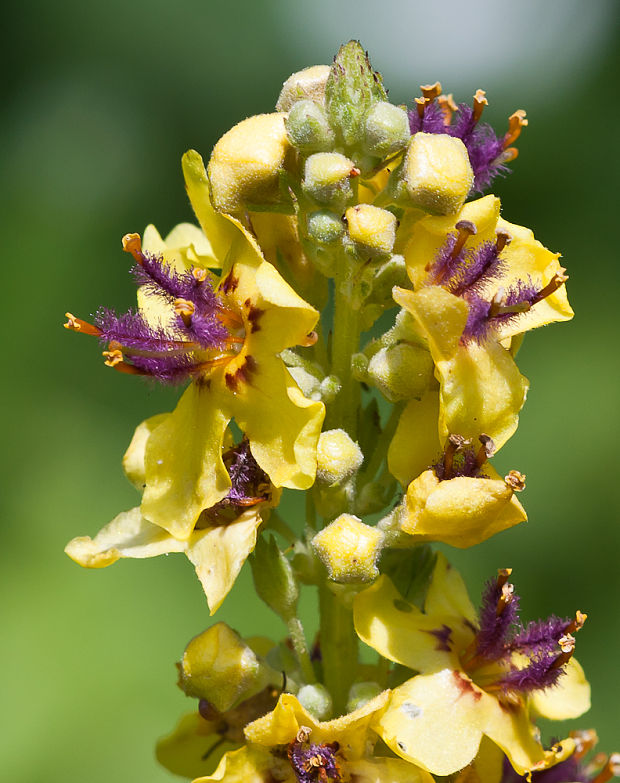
{"type": "Point", "coordinates": [479, 674]}
{"type": "Point", "coordinates": [488, 153]}
{"type": "Point", "coordinates": [222, 538]}
{"type": "Point", "coordinates": [461, 500]}
{"type": "Point", "coordinates": [290, 745]}
{"type": "Point", "coordinates": [479, 284]}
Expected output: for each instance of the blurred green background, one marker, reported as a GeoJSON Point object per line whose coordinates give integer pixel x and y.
{"type": "Point", "coordinates": [100, 102]}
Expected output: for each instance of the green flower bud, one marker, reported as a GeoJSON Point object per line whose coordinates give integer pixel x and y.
{"type": "Point", "coordinates": [274, 579]}
{"type": "Point", "coordinates": [392, 272]}
{"type": "Point", "coordinates": [220, 667]}
{"type": "Point", "coordinates": [308, 128]}
{"type": "Point", "coordinates": [435, 176]}
{"type": "Point", "coordinates": [361, 693]}
{"type": "Point", "coordinates": [401, 371]}
{"type": "Point", "coordinates": [309, 83]}
{"type": "Point", "coordinates": [372, 227]}
{"type": "Point", "coordinates": [352, 88]}
{"type": "Point", "coordinates": [317, 700]}
{"type": "Point", "coordinates": [349, 549]}
{"type": "Point", "coordinates": [326, 177]}
{"type": "Point", "coordinates": [386, 129]}
{"type": "Point", "coordinates": [325, 227]}
{"type": "Point", "coordinates": [246, 162]}
{"type": "Point", "coordinates": [338, 457]}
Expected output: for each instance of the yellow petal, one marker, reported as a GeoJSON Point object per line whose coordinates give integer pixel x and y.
{"type": "Point", "coordinates": [435, 721]}
{"type": "Point", "coordinates": [440, 315]}
{"type": "Point", "coordinates": [415, 444]}
{"type": "Point", "coordinates": [218, 554]}
{"type": "Point", "coordinates": [222, 234]}
{"type": "Point", "coordinates": [193, 748]}
{"type": "Point", "coordinates": [133, 459]}
{"type": "Point", "coordinates": [399, 631]}
{"type": "Point", "coordinates": [282, 318]}
{"type": "Point", "coordinates": [527, 258]}
{"type": "Point", "coordinates": [282, 425]}
{"type": "Point", "coordinates": [447, 593]}
{"type": "Point", "coordinates": [249, 764]}
{"type": "Point", "coordinates": [462, 511]}
{"type": "Point", "coordinates": [511, 729]}
{"type": "Point", "coordinates": [280, 726]}
{"type": "Point", "coordinates": [570, 698]}
{"type": "Point", "coordinates": [185, 473]}
{"type": "Point", "coordinates": [482, 391]}
{"type": "Point", "coordinates": [128, 535]}
{"type": "Point", "coordinates": [386, 770]}
{"type": "Point", "coordinates": [429, 234]}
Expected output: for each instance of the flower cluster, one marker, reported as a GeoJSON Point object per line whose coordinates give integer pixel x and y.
{"type": "Point", "coordinates": [314, 221]}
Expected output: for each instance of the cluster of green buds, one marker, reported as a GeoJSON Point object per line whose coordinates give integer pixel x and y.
{"type": "Point", "coordinates": [345, 319]}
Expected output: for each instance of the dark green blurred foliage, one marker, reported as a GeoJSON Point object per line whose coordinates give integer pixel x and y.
{"type": "Point", "coordinates": [99, 104]}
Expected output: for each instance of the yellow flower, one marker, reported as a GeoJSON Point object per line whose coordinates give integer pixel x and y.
{"type": "Point", "coordinates": [478, 676]}
{"type": "Point", "coordinates": [236, 372]}
{"type": "Point", "coordinates": [479, 282]}
{"type": "Point", "coordinates": [293, 747]}
{"type": "Point", "coordinates": [200, 739]}
{"type": "Point", "coordinates": [219, 543]}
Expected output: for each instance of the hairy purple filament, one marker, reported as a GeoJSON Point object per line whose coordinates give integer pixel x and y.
{"type": "Point", "coordinates": [166, 352]}
{"type": "Point", "coordinates": [501, 635]}
{"type": "Point", "coordinates": [249, 485]}
{"type": "Point", "coordinates": [567, 771]}
{"type": "Point", "coordinates": [465, 463]}
{"type": "Point", "coordinates": [467, 273]}
{"type": "Point", "coordinates": [486, 151]}
{"type": "Point", "coordinates": [314, 763]}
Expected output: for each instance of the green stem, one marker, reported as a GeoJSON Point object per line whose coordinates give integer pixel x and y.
{"type": "Point", "coordinates": [380, 448]}
{"type": "Point", "coordinates": [298, 639]}
{"type": "Point", "coordinates": [338, 647]}
{"type": "Point", "coordinates": [276, 523]}
{"type": "Point", "coordinates": [345, 340]}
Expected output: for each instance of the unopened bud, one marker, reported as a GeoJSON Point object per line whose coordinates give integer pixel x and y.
{"type": "Point", "coordinates": [325, 227]}
{"type": "Point", "coordinates": [246, 161]}
{"type": "Point", "coordinates": [372, 227]}
{"type": "Point", "coordinates": [338, 457]}
{"type": "Point", "coordinates": [401, 371]}
{"type": "Point", "coordinates": [220, 667]}
{"type": "Point", "coordinates": [386, 129]}
{"type": "Point", "coordinates": [308, 128]}
{"type": "Point", "coordinates": [317, 700]}
{"type": "Point", "coordinates": [309, 83]}
{"type": "Point", "coordinates": [326, 177]}
{"type": "Point", "coordinates": [349, 549]}
{"type": "Point", "coordinates": [435, 176]}
{"type": "Point", "coordinates": [361, 693]}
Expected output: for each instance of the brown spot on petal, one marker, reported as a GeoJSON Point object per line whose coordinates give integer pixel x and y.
{"type": "Point", "coordinates": [241, 375]}
{"type": "Point", "coordinates": [230, 282]}
{"type": "Point", "coordinates": [465, 685]}
{"type": "Point", "coordinates": [253, 315]}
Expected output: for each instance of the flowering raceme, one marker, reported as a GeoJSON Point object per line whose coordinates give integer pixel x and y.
{"type": "Point", "coordinates": [346, 319]}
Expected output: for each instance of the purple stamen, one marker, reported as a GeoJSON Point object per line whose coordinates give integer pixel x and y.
{"type": "Point", "coordinates": [168, 353]}
{"type": "Point", "coordinates": [314, 763]}
{"type": "Point", "coordinates": [249, 485]}
{"type": "Point", "coordinates": [567, 771]}
{"type": "Point", "coordinates": [485, 149]}
{"type": "Point", "coordinates": [539, 674]}
{"type": "Point", "coordinates": [496, 628]}
{"type": "Point", "coordinates": [432, 120]}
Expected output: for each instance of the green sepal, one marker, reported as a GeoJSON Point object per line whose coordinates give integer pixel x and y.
{"type": "Point", "coordinates": [351, 89]}
{"type": "Point", "coordinates": [274, 579]}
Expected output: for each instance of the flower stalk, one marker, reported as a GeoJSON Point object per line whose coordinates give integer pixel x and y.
{"type": "Point", "coordinates": [340, 190]}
